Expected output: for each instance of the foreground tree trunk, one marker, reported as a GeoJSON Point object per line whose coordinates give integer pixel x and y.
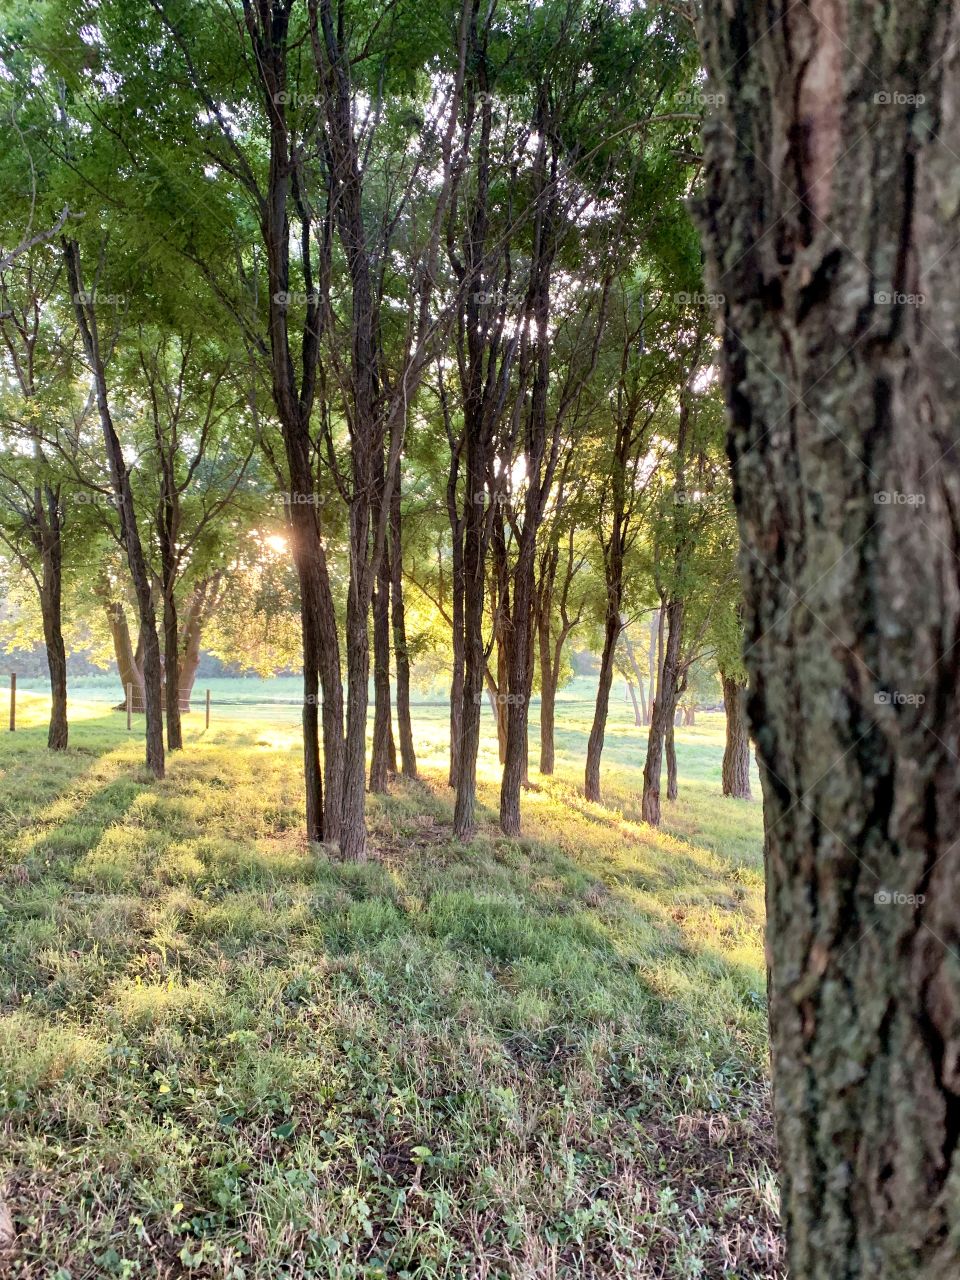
{"type": "Point", "coordinates": [735, 771]}
{"type": "Point", "coordinates": [831, 222]}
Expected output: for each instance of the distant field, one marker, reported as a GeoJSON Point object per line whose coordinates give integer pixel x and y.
{"type": "Point", "coordinates": [276, 703]}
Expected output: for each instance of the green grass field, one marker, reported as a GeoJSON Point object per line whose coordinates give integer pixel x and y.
{"type": "Point", "coordinates": [224, 1054]}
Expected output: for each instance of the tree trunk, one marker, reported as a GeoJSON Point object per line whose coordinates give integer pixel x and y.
{"type": "Point", "coordinates": [689, 716]}
{"type": "Point", "coordinates": [831, 222]}
{"type": "Point", "coordinates": [457, 677]}
{"type": "Point", "coordinates": [51, 592]}
{"type": "Point", "coordinates": [653, 664]}
{"type": "Point", "coordinates": [671, 750]}
{"type": "Point", "coordinates": [637, 712]}
{"type": "Point", "coordinates": [128, 662]}
{"type": "Point", "coordinates": [382, 754]}
{"type": "Point", "coordinates": [474, 551]}
{"type": "Point", "coordinates": [638, 677]}
{"type": "Point", "coordinates": [515, 752]}
{"type": "Point", "coordinates": [189, 659]}
{"type": "Point", "coordinates": [408, 755]}
{"type": "Point", "coordinates": [591, 779]}
{"type": "Point", "coordinates": [664, 706]}
{"type": "Point", "coordinates": [321, 653]}
{"type": "Point", "coordinates": [171, 668]}
{"type": "Point", "coordinates": [548, 699]}
{"type": "Point", "coordinates": [735, 771]}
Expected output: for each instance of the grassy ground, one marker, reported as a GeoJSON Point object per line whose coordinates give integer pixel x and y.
{"type": "Point", "coordinates": [224, 1055]}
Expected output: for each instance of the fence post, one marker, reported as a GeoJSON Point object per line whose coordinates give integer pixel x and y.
{"type": "Point", "coordinates": [13, 701]}
{"type": "Point", "coordinates": [208, 708]}
{"type": "Point", "coordinates": [129, 707]}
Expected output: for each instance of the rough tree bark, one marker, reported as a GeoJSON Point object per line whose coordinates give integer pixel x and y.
{"type": "Point", "coordinates": [735, 770]}
{"type": "Point", "coordinates": [830, 219]}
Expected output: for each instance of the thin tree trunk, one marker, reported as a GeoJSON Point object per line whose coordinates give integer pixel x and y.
{"type": "Point", "coordinates": [591, 780]}
{"type": "Point", "coordinates": [383, 754]}
{"type": "Point", "coordinates": [171, 668]}
{"type": "Point", "coordinates": [637, 675]}
{"type": "Point", "coordinates": [637, 712]}
{"type": "Point", "coordinates": [671, 752]}
{"type": "Point", "coordinates": [408, 755]}
{"type": "Point", "coordinates": [474, 550]}
{"type": "Point", "coordinates": [321, 653]}
{"type": "Point", "coordinates": [457, 677]}
{"type": "Point", "coordinates": [652, 665]}
{"type": "Point", "coordinates": [548, 699]}
{"type": "Point", "coordinates": [831, 222]}
{"type": "Point", "coordinates": [49, 533]}
{"type": "Point", "coordinates": [664, 707]}
{"type": "Point", "coordinates": [51, 610]}
{"type": "Point", "coordinates": [735, 771]}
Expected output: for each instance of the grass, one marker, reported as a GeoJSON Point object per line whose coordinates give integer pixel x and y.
{"type": "Point", "coordinates": [223, 1054]}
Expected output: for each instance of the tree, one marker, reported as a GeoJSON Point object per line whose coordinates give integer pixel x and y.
{"type": "Point", "coordinates": [85, 305]}
{"type": "Point", "coordinates": [642, 382]}
{"type": "Point", "coordinates": [32, 509]}
{"type": "Point", "coordinates": [199, 459]}
{"type": "Point", "coordinates": [830, 225]}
